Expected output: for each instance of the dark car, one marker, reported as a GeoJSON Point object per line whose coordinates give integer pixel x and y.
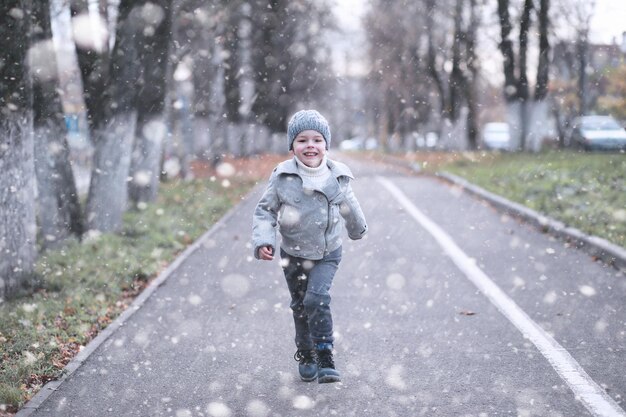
{"type": "Point", "coordinates": [598, 132]}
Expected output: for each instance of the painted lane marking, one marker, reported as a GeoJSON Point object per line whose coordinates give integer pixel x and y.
{"type": "Point", "coordinates": [594, 398]}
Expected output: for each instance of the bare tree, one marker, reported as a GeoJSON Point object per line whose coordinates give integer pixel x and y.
{"type": "Point", "coordinates": [17, 177]}
{"type": "Point", "coordinates": [59, 210]}
{"type": "Point", "coordinates": [516, 83]}
{"type": "Point", "coordinates": [290, 62]}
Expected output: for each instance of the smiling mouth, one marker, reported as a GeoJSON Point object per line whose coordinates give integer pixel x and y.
{"type": "Point", "coordinates": [310, 154]}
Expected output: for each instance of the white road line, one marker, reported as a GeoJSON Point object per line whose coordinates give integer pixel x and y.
{"type": "Point", "coordinates": [597, 401]}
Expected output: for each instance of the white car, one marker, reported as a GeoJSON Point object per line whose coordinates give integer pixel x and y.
{"type": "Point", "coordinates": [598, 132]}
{"type": "Point", "coordinates": [496, 135]}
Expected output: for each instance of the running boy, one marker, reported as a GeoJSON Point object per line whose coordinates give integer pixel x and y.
{"type": "Point", "coordinates": [310, 198]}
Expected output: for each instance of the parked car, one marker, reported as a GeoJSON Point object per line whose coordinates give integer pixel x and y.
{"type": "Point", "coordinates": [496, 135]}
{"type": "Point", "coordinates": [598, 132]}
{"type": "Point", "coordinates": [354, 144]}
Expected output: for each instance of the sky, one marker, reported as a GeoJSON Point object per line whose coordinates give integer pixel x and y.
{"type": "Point", "coordinates": [608, 22]}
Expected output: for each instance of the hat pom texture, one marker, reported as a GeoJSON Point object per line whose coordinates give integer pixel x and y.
{"type": "Point", "coordinates": [308, 120]}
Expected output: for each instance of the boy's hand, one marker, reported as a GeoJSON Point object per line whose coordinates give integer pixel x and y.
{"type": "Point", "coordinates": [266, 253]}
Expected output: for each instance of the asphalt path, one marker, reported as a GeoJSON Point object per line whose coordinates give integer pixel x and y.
{"type": "Point", "coordinates": [446, 308]}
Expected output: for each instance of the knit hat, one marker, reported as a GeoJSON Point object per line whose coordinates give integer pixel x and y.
{"type": "Point", "coordinates": [307, 120]}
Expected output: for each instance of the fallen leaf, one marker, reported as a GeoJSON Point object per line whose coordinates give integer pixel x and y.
{"type": "Point", "coordinates": [467, 313]}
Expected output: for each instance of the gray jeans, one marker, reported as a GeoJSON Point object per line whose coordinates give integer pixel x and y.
{"type": "Point", "coordinates": [309, 285]}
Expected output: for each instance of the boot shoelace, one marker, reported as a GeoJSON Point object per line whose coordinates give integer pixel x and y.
{"type": "Point", "coordinates": [325, 359]}
{"type": "Point", "coordinates": [304, 356]}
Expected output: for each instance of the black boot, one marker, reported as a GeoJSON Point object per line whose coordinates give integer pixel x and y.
{"type": "Point", "coordinates": [326, 371]}
{"type": "Point", "coordinates": [308, 364]}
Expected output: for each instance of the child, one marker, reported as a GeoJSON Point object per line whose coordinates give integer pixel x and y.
{"type": "Point", "coordinates": [310, 198]}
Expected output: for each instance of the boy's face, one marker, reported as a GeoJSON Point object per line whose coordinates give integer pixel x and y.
{"type": "Point", "coordinates": [310, 147]}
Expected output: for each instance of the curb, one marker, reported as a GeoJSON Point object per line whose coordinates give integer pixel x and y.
{"type": "Point", "coordinates": [595, 246]}
{"type": "Point", "coordinates": [34, 403]}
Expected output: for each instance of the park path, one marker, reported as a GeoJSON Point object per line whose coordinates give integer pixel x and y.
{"type": "Point", "coordinates": [416, 335]}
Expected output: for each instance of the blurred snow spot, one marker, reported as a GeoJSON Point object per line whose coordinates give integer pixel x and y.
{"type": "Point", "coordinates": [223, 263]}
{"type": "Point", "coordinates": [550, 251]}
{"type": "Point", "coordinates": [290, 216]}
{"type": "Point", "coordinates": [171, 167]}
{"type": "Point", "coordinates": [257, 408]}
{"type": "Point", "coordinates": [367, 325]}
{"type": "Point", "coordinates": [16, 13]}
{"type": "Point", "coordinates": [166, 399]}
{"type": "Point", "coordinates": [41, 59]}
{"type": "Point", "coordinates": [430, 303]}
{"type": "Point", "coordinates": [586, 290]}
{"type": "Point", "coordinates": [425, 351]}
{"type": "Point", "coordinates": [225, 183]}
{"type": "Point", "coordinates": [142, 178]}
{"type": "Point", "coordinates": [154, 130]}
{"type": "Point", "coordinates": [344, 209]}
{"type": "Point", "coordinates": [543, 278]}
{"type": "Point", "coordinates": [285, 378]}
{"type": "Point", "coordinates": [194, 299]}
{"type": "Point", "coordinates": [142, 338]}
{"type": "Point", "coordinates": [160, 212]}
{"type": "Point", "coordinates": [92, 236]}
{"type": "Point", "coordinates": [395, 281]}
{"type": "Point", "coordinates": [303, 402]}
{"type": "Point", "coordinates": [308, 264]}
{"type": "Point", "coordinates": [210, 243]}
{"type": "Point", "coordinates": [28, 358]}
{"type": "Point", "coordinates": [620, 215]}
{"type": "Point", "coordinates": [550, 297]}
{"type": "Point", "coordinates": [29, 308]}
{"type": "Point", "coordinates": [518, 281]}
{"type": "Point", "coordinates": [142, 205]}
{"type": "Point", "coordinates": [183, 413]}
{"type": "Point", "coordinates": [225, 169]}
{"type": "Point", "coordinates": [152, 14]}
{"type": "Point", "coordinates": [119, 342]}
{"type": "Point", "coordinates": [394, 377]}
{"type": "Point", "coordinates": [90, 31]}
{"type": "Point", "coordinates": [235, 285]}
{"type": "Point", "coordinates": [600, 326]}
{"type": "Point", "coordinates": [216, 409]}
{"type": "Point", "coordinates": [284, 262]}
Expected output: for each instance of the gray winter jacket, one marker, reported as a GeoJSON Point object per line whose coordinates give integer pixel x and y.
{"type": "Point", "coordinates": [310, 220]}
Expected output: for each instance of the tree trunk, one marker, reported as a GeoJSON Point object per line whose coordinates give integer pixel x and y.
{"type": "Point", "coordinates": [151, 129]}
{"type": "Point", "coordinates": [58, 206]}
{"type": "Point", "coordinates": [471, 84]}
{"type": "Point", "coordinates": [17, 178]}
{"type": "Point", "coordinates": [108, 194]}
{"type": "Point", "coordinates": [506, 47]}
{"type": "Point", "coordinates": [543, 67]}
{"type": "Point", "coordinates": [146, 159]}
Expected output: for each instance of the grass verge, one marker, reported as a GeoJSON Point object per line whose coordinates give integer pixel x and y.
{"type": "Point", "coordinates": [583, 190]}
{"type": "Point", "coordinates": [84, 286]}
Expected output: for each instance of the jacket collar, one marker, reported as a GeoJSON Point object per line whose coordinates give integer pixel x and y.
{"type": "Point", "coordinates": [338, 169]}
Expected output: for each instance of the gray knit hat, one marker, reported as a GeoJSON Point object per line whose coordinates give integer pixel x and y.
{"type": "Point", "coordinates": [307, 120]}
